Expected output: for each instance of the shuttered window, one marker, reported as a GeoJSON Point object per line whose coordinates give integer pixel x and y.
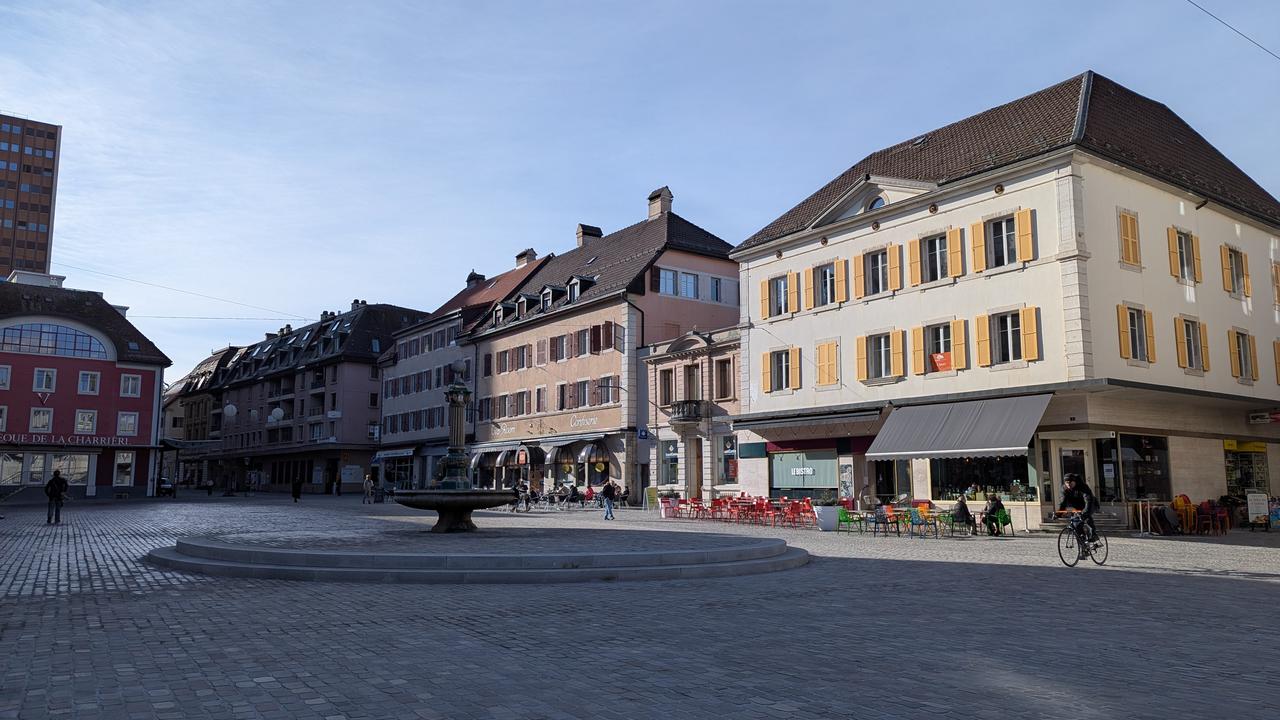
{"type": "Point", "coordinates": [1130, 248]}
{"type": "Point", "coordinates": [828, 362]}
{"type": "Point", "coordinates": [1136, 333]}
{"type": "Point", "coordinates": [1192, 339]}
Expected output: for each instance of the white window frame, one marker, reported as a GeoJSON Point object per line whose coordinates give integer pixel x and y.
{"type": "Point", "coordinates": [39, 373]}
{"type": "Point", "coordinates": [4, 418]}
{"type": "Point", "coordinates": [1002, 242]}
{"type": "Point", "coordinates": [31, 420]}
{"type": "Point", "coordinates": [689, 285]}
{"type": "Point", "coordinates": [125, 379]}
{"type": "Point", "coordinates": [1236, 258]}
{"type": "Point", "coordinates": [714, 288]}
{"type": "Point", "coordinates": [668, 281]}
{"type": "Point", "coordinates": [1246, 358]}
{"type": "Point", "coordinates": [1137, 321]}
{"type": "Point", "coordinates": [1191, 333]}
{"type": "Point", "coordinates": [877, 272]}
{"type": "Point", "coordinates": [666, 386]}
{"type": "Point", "coordinates": [1186, 257]}
{"type": "Point", "coordinates": [824, 285]}
{"type": "Point", "coordinates": [583, 342]}
{"type": "Point", "coordinates": [879, 356]}
{"type": "Point", "coordinates": [97, 382]}
{"type": "Point", "coordinates": [6, 375]}
{"type": "Point", "coordinates": [725, 390]}
{"type": "Point", "coordinates": [93, 425]}
{"type": "Point", "coordinates": [937, 339]}
{"type": "Point", "coordinates": [115, 468]}
{"type": "Point", "coordinates": [780, 369]}
{"type": "Point", "coordinates": [120, 416]}
{"type": "Point", "coordinates": [573, 290]}
{"type": "Point", "coordinates": [778, 296]}
{"type": "Point", "coordinates": [583, 390]}
{"type": "Point", "coordinates": [935, 258]}
{"type": "Point", "coordinates": [1006, 338]}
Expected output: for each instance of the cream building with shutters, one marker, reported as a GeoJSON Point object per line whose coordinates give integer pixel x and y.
{"type": "Point", "coordinates": [1059, 285]}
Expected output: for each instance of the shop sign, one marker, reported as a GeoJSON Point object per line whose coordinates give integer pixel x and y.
{"type": "Point", "coordinates": [941, 361]}
{"type": "Point", "coordinates": [577, 421]}
{"type": "Point", "coordinates": [1243, 446]}
{"type": "Point", "coordinates": [1258, 508]}
{"type": "Point", "coordinates": [802, 471]}
{"type": "Point", "coordinates": [49, 439]}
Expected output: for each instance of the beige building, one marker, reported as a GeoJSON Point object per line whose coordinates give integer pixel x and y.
{"type": "Point", "coordinates": [560, 395]}
{"type": "Point", "coordinates": [693, 380]}
{"type": "Point", "coordinates": [1072, 283]}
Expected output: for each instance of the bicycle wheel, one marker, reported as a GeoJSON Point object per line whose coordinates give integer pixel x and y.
{"type": "Point", "coordinates": [1068, 551]}
{"type": "Point", "coordinates": [1098, 551]}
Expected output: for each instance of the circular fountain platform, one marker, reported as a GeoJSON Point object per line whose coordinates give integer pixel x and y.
{"type": "Point", "coordinates": [507, 555]}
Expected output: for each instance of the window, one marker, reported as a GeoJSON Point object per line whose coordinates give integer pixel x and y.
{"type": "Point", "coordinates": [879, 356]}
{"type": "Point", "coordinates": [1244, 356]}
{"type": "Point", "coordinates": [1002, 242]}
{"type": "Point", "coordinates": [546, 301]}
{"type": "Point", "coordinates": [1008, 337]}
{"type": "Point", "coordinates": [692, 383]}
{"type": "Point", "coordinates": [666, 387]}
{"type": "Point", "coordinates": [935, 258]}
{"type": "Point", "coordinates": [875, 203]}
{"type": "Point", "coordinates": [582, 393]}
{"type": "Point", "coordinates": [1137, 341]}
{"type": "Point", "coordinates": [124, 469]}
{"type": "Point", "coordinates": [1130, 248]}
{"type": "Point", "coordinates": [88, 383]}
{"type": "Point", "coordinates": [937, 340]}
{"type": "Point", "coordinates": [5, 372]}
{"type": "Point", "coordinates": [824, 285]}
{"type": "Point", "coordinates": [317, 431]}
{"type": "Point", "coordinates": [779, 369]}
{"type": "Point", "coordinates": [574, 288]}
{"type": "Point", "coordinates": [127, 423]}
{"type": "Point", "coordinates": [45, 380]}
{"type": "Point", "coordinates": [562, 396]}
{"type": "Point", "coordinates": [50, 339]}
{"type": "Point", "coordinates": [4, 418]}
{"type": "Point", "coordinates": [715, 291]}
{"type": "Point", "coordinates": [877, 269]}
{"type": "Point", "coordinates": [41, 420]}
{"type": "Point", "coordinates": [584, 342]}
{"type": "Point", "coordinates": [540, 399]}
{"type": "Point", "coordinates": [1235, 272]}
{"type": "Point", "coordinates": [87, 422]}
{"type": "Point", "coordinates": [828, 362]}
{"type": "Point", "coordinates": [373, 400]}
{"type": "Point", "coordinates": [724, 378]}
{"type": "Point", "coordinates": [688, 285]}
{"type": "Point", "coordinates": [1184, 256]}
{"type": "Point", "coordinates": [778, 295]}
{"type": "Point", "coordinates": [610, 392]}
{"type": "Point", "coordinates": [130, 386]}
{"type": "Point", "coordinates": [1193, 344]}
{"type": "Point", "coordinates": [666, 281]}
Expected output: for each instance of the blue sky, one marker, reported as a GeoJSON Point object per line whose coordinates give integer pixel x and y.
{"type": "Point", "coordinates": [297, 155]}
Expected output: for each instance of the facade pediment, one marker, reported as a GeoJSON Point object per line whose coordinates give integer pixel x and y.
{"type": "Point", "coordinates": [870, 194]}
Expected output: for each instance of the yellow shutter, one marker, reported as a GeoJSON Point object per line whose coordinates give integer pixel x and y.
{"type": "Point", "coordinates": [822, 363]}
{"type": "Point", "coordinates": [764, 299]}
{"type": "Point", "coordinates": [1248, 284]}
{"type": "Point", "coordinates": [1180, 338]}
{"type": "Point", "coordinates": [1253, 357]}
{"type": "Point", "coordinates": [1204, 347]}
{"type": "Point", "coordinates": [860, 351]}
{"type": "Point", "coordinates": [1234, 353]}
{"type": "Point", "coordinates": [842, 281]}
{"type": "Point", "coordinates": [1195, 257]}
{"type": "Point", "coordinates": [795, 368]}
{"type": "Point", "coordinates": [1122, 325]}
{"type": "Point", "coordinates": [978, 242]}
{"type": "Point", "coordinates": [1275, 283]}
{"type": "Point", "coordinates": [955, 253]}
{"type": "Point", "coordinates": [1275, 352]}
{"type": "Point", "coordinates": [828, 359]}
{"type": "Point", "coordinates": [859, 277]}
{"type": "Point", "coordinates": [1151, 335]}
{"type": "Point", "coordinates": [959, 346]}
{"type": "Point", "coordinates": [1225, 254]}
{"type": "Point", "coordinates": [793, 292]}
{"type": "Point", "coordinates": [917, 350]}
{"type": "Point", "coordinates": [808, 289]}
{"type": "Point", "coordinates": [1022, 227]}
{"type": "Point", "coordinates": [897, 357]}
{"type": "Point", "coordinates": [913, 261]}
{"type": "Point", "coordinates": [1174, 267]}
{"type": "Point", "coordinates": [982, 335]}
{"type": "Point", "coordinates": [1130, 248]}
{"type": "Point", "coordinates": [895, 267]}
{"type": "Point", "coordinates": [1030, 334]}
{"type": "Point", "coordinates": [766, 377]}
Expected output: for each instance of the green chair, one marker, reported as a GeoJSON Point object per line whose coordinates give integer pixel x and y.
{"type": "Point", "coordinates": [1003, 519]}
{"type": "Point", "coordinates": [850, 519]}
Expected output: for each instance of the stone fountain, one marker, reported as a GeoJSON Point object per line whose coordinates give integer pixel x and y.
{"type": "Point", "coordinates": [454, 496]}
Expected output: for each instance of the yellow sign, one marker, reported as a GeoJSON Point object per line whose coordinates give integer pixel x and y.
{"type": "Point", "coordinates": [599, 467]}
{"type": "Point", "coordinates": [1244, 446]}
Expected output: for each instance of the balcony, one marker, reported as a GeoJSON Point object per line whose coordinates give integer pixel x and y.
{"type": "Point", "coordinates": [688, 411]}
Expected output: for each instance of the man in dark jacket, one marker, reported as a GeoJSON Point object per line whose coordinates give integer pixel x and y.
{"type": "Point", "coordinates": [1076, 495]}
{"type": "Point", "coordinates": [56, 491]}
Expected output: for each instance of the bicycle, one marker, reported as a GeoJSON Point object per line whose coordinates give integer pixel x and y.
{"type": "Point", "coordinates": [1074, 545]}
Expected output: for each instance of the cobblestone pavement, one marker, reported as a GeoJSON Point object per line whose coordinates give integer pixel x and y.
{"type": "Point", "coordinates": [884, 627]}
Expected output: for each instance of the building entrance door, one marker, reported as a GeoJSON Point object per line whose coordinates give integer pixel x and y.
{"type": "Point", "coordinates": [693, 488]}
{"type": "Point", "coordinates": [1073, 459]}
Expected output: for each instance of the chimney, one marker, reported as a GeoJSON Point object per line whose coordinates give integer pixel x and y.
{"type": "Point", "coordinates": [528, 255]}
{"type": "Point", "coordinates": [474, 279]}
{"type": "Point", "coordinates": [270, 336]}
{"type": "Point", "coordinates": [122, 309]}
{"type": "Point", "coordinates": [659, 201]}
{"type": "Point", "coordinates": [355, 304]}
{"type": "Point", "coordinates": [588, 231]}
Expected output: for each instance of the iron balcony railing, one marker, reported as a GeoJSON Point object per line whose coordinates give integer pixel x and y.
{"type": "Point", "coordinates": [688, 411]}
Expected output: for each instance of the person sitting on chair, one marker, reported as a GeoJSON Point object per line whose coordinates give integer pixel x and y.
{"type": "Point", "coordinates": [574, 496]}
{"type": "Point", "coordinates": [962, 515]}
{"type": "Point", "coordinates": [991, 515]}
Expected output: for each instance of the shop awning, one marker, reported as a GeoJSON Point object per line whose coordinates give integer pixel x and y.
{"type": "Point", "coordinates": [506, 458]}
{"type": "Point", "coordinates": [778, 423]}
{"type": "Point", "coordinates": [593, 452]}
{"type": "Point", "coordinates": [384, 454]}
{"type": "Point", "coordinates": [979, 428]}
{"type": "Point", "coordinates": [482, 459]}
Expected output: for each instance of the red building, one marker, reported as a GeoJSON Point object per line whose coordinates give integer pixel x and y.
{"type": "Point", "coordinates": [80, 391]}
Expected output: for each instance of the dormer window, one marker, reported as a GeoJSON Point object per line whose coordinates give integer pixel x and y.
{"type": "Point", "coordinates": [497, 315]}
{"type": "Point", "coordinates": [521, 307]}
{"type": "Point", "coordinates": [546, 300]}
{"type": "Point", "coordinates": [574, 286]}
{"type": "Point", "coordinates": [875, 203]}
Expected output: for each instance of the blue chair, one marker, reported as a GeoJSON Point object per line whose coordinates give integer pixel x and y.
{"type": "Point", "coordinates": [920, 523]}
{"type": "Point", "coordinates": [882, 520]}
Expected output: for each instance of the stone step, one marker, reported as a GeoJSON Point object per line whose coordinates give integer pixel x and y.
{"type": "Point", "coordinates": [213, 549]}
{"type": "Point", "coordinates": [172, 558]}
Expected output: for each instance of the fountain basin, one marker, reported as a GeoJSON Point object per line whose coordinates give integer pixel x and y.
{"type": "Point", "coordinates": [454, 506]}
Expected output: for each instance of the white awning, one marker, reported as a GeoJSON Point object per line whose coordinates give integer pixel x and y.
{"type": "Point", "coordinates": [384, 454]}
{"type": "Point", "coordinates": [979, 428]}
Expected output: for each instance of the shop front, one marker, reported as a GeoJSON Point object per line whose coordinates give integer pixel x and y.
{"type": "Point", "coordinates": [395, 468]}
{"type": "Point", "coordinates": [1246, 464]}
{"type": "Point", "coordinates": [89, 472]}
{"type": "Point", "coordinates": [810, 473]}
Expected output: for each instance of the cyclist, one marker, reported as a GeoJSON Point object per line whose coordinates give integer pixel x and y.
{"type": "Point", "coordinates": [1076, 495]}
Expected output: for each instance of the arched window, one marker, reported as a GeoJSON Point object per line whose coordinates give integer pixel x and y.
{"type": "Point", "coordinates": [49, 339]}
{"type": "Point", "coordinates": [875, 204]}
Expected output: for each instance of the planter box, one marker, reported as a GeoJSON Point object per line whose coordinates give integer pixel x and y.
{"type": "Point", "coordinates": [828, 517]}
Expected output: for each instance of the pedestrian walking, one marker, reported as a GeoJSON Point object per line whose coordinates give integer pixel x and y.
{"type": "Point", "coordinates": [56, 491]}
{"type": "Point", "coordinates": [609, 492]}
{"type": "Point", "coordinates": [297, 489]}
{"type": "Point", "coordinates": [368, 490]}
{"type": "Point", "coordinates": [208, 485]}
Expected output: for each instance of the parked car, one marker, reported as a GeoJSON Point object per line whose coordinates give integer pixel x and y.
{"type": "Point", "coordinates": [165, 486]}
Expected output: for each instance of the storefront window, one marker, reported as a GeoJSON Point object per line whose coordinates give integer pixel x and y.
{"type": "Point", "coordinates": [75, 468]}
{"type": "Point", "coordinates": [807, 473]}
{"type": "Point", "coordinates": [124, 469]}
{"type": "Point", "coordinates": [670, 467]}
{"type": "Point", "coordinates": [10, 468]}
{"type": "Point", "coordinates": [398, 472]}
{"type": "Point", "coordinates": [980, 478]}
{"type": "Point", "coordinates": [1144, 469]}
{"type": "Point", "coordinates": [892, 479]}
{"type": "Point", "coordinates": [1247, 473]}
{"type": "Point", "coordinates": [727, 462]}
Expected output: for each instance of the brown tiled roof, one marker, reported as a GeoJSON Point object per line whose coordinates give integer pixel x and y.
{"type": "Point", "coordinates": [619, 259]}
{"type": "Point", "coordinates": [491, 290]}
{"type": "Point", "coordinates": [84, 306]}
{"type": "Point", "coordinates": [1089, 111]}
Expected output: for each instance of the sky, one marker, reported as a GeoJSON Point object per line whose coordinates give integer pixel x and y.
{"type": "Point", "coordinates": [293, 156]}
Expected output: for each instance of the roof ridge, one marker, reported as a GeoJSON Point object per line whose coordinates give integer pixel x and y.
{"type": "Point", "coordinates": [1082, 110]}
